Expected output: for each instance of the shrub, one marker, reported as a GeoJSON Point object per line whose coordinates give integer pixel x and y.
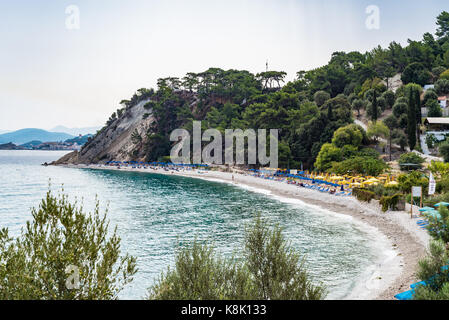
{"type": "Point", "coordinates": [269, 270]}
{"type": "Point", "coordinates": [62, 238]}
{"type": "Point", "coordinates": [390, 202]}
{"type": "Point", "coordinates": [413, 179]}
{"type": "Point", "coordinates": [364, 195]}
{"type": "Point", "coordinates": [442, 185]}
{"type": "Point", "coordinates": [431, 269]}
{"type": "Point", "coordinates": [411, 157]}
{"type": "Point", "coordinates": [359, 165]}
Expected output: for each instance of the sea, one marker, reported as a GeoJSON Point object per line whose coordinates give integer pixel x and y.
{"type": "Point", "coordinates": [155, 214]}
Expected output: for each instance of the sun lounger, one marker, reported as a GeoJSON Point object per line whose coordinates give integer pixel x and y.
{"type": "Point", "coordinates": [421, 283]}
{"type": "Point", "coordinates": [407, 295]}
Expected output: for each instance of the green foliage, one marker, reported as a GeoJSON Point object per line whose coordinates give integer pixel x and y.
{"type": "Point", "coordinates": [349, 135]}
{"type": "Point", "coordinates": [411, 157]}
{"type": "Point", "coordinates": [431, 141]}
{"type": "Point", "coordinates": [390, 202]}
{"type": "Point", "coordinates": [377, 130]}
{"type": "Point", "coordinates": [136, 137]}
{"type": "Point", "coordinates": [444, 151]}
{"type": "Point", "coordinates": [400, 138]}
{"type": "Point", "coordinates": [417, 73]}
{"type": "Point", "coordinates": [37, 264]}
{"type": "Point", "coordinates": [429, 96]}
{"type": "Point", "coordinates": [328, 154]}
{"type": "Point", "coordinates": [430, 269]}
{"type": "Point", "coordinates": [443, 25]}
{"type": "Point", "coordinates": [413, 179]}
{"type": "Point", "coordinates": [442, 86]}
{"type": "Point", "coordinates": [358, 104]}
{"type": "Point", "coordinates": [439, 228]}
{"type": "Point", "coordinates": [320, 97]}
{"type": "Point", "coordinates": [359, 165]}
{"type": "Point", "coordinates": [363, 194]}
{"type": "Point", "coordinates": [389, 98]}
{"type": "Point", "coordinates": [413, 95]}
{"type": "Point", "coordinates": [391, 122]}
{"type": "Point", "coordinates": [268, 270]}
{"type": "Point", "coordinates": [434, 109]}
{"type": "Point", "coordinates": [445, 75]}
{"type": "Point", "coordinates": [399, 109]}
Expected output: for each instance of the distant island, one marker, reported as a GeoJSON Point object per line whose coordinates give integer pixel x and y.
{"type": "Point", "coordinates": [73, 143]}
{"type": "Point", "coordinates": [39, 139]}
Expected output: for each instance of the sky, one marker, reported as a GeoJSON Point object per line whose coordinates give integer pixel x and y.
{"type": "Point", "coordinates": [56, 71]}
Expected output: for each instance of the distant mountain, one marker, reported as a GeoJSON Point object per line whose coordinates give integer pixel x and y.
{"type": "Point", "coordinates": [76, 131]}
{"type": "Point", "coordinates": [26, 135]}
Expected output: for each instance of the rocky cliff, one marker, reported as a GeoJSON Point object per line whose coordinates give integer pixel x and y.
{"type": "Point", "coordinates": [114, 141]}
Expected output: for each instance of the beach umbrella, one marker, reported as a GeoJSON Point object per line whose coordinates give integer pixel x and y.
{"type": "Point", "coordinates": [336, 178]}
{"type": "Point", "coordinates": [434, 214]}
{"type": "Point", "coordinates": [445, 204]}
{"type": "Point", "coordinates": [426, 209]}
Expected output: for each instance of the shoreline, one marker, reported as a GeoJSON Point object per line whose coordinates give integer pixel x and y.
{"type": "Point", "coordinates": [401, 241]}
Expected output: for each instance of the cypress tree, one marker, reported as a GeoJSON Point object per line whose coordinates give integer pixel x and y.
{"type": "Point", "coordinates": [417, 102]}
{"type": "Point", "coordinates": [374, 114]}
{"type": "Point", "coordinates": [411, 118]}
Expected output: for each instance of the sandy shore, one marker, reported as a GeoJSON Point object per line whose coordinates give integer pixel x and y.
{"type": "Point", "coordinates": [401, 242]}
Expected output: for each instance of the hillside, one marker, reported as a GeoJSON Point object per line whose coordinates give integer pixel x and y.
{"type": "Point", "coordinates": [26, 135]}
{"type": "Point", "coordinates": [382, 85]}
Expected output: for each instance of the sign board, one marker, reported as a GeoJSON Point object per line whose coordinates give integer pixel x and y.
{"type": "Point", "coordinates": [416, 191]}
{"type": "Point", "coordinates": [293, 171]}
{"type": "Point", "coordinates": [432, 185]}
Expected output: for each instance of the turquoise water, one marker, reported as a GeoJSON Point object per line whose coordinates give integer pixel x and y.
{"type": "Point", "coordinates": [154, 213]}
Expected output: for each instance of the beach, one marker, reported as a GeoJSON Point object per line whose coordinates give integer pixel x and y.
{"type": "Point", "coordinates": [401, 242]}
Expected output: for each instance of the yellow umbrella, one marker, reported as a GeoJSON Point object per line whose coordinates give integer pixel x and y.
{"type": "Point", "coordinates": [392, 183]}
{"type": "Point", "coordinates": [337, 178]}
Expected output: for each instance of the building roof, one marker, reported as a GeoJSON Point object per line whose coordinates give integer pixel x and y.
{"type": "Point", "coordinates": [442, 98]}
{"type": "Point", "coordinates": [437, 121]}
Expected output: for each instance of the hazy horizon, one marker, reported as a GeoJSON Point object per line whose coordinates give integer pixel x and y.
{"type": "Point", "coordinates": [54, 76]}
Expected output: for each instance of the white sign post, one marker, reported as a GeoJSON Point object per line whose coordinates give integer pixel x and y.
{"type": "Point", "coordinates": [416, 192]}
